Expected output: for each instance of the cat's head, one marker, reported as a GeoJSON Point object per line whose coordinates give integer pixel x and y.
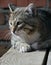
{"type": "Point", "coordinates": [23, 18]}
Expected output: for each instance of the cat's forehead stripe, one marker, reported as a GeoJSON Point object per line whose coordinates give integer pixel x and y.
{"type": "Point", "coordinates": [18, 11]}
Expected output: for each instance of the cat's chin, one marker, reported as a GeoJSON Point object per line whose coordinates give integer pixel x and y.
{"type": "Point", "coordinates": [13, 33]}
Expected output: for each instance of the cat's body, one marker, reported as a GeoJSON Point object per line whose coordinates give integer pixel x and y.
{"type": "Point", "coordinates": [28, 30]}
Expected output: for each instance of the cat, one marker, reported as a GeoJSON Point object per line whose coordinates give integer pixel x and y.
{"type": "Point", "coordinates": [28, 28]}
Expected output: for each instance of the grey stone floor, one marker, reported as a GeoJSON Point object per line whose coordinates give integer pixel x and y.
{"type": "Point", "coordinates": [13, 57]}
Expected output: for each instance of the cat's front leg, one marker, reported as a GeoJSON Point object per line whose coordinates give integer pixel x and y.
{"type": "Point", "coordinates": [39, 46]}
{"type": "Point", "coordinates": [34, 46]}
{"type": "Point", "coordinates": [42, 45]}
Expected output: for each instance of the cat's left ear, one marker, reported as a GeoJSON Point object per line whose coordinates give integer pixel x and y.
{"type": "Point", "coordinates": [12, 7]}
{"type": "Point", "coordinates": [31, 8]}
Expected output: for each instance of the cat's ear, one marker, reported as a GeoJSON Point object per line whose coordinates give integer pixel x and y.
{"type": "Point", "coordinates": [12, 7]}
{"type": "Point", "coordinates": [31, 8]}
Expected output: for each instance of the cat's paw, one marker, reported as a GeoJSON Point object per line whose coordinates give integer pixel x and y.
{"type": "Point", "coordinates": [23, 47]}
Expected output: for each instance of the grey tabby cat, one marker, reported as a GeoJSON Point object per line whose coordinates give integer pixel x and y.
{"type": "Point", "coordinates": [29, 32]}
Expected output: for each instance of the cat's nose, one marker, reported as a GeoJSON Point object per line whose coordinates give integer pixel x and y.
{"type": "Point", "coordinates": [14, 29]}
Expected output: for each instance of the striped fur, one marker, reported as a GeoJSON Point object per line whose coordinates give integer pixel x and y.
{"type": "Point", "coordinates": [28, 30]}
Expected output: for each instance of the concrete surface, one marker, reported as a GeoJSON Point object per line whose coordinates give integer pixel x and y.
{"type": "Point", "coordinates": [49, 59]}
{"type": "Point", "coordinates": [12, 57]}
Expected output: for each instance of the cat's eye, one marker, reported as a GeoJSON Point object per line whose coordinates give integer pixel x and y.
{"type": "Point", "coordinates": [27, 11]}
{"type": "Point", "coordinates": [18, 23]}
{"type": "Point", "coordinates": [11, 23]}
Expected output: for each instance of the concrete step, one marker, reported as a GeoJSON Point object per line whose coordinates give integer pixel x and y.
{"type": "Point", "coordinates": [49, 59]}
{"type": "Point", "coordinates": [12, 57]}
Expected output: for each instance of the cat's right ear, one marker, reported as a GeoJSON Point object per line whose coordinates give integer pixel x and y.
{"type": "Point", "coordinates": [12, 7]}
